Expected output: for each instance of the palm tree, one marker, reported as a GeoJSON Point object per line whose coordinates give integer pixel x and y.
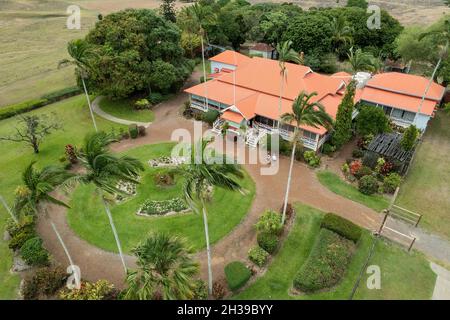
{"type": "Point", "coordinates": [443, 37]}
{"type": "Point", "coordinates": [304, 112]}
{"type": "Point", "coordinates": [37, 186]}
{"type": "Point", "coordinates": [166, 269]}
{"type": "Point", "coordinates": [341, 32]}
{"type": "Point", "coordinates": [285, 54]}
{"type": "Point", "coordinates": [81, 53]}
{"type": "Point", "coordinates": [199, 16]}
{"type": "Point", "coordinates": [360, 60]}
{"type": "Point", "coordinates": [202, 173]}
{"type": "Point", "coordinates": [105, 170]}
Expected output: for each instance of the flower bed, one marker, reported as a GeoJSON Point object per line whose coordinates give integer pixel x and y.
{"type": "Point", "coordinates": [129, 188]}
{"type": "Point", "coordinates": [164, 207]}
{"type": "Point", "coordinates": [166, 162]}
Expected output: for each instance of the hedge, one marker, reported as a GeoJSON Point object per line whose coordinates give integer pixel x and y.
{"type": "Point", "coordinates": [14, 109]}
{"type": "Point", "coordinates": [326, 264]}
{"type": "Point", "coordinates": [237, 275]}
{"type": "Point", "coordinates": [267, 241]}
{"type": "Point", "coordinates": [341, 226]}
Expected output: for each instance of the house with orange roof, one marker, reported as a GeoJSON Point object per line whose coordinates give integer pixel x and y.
{"type": "Point", "coordinates": [405, 98]}
{"type": "Point", "coordinates": [247, 97]}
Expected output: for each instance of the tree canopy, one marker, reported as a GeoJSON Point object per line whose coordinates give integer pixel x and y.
{"type": "Point", "coordinates": [131, 46]}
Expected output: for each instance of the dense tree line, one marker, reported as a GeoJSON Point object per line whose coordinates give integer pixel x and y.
{"type": "Point", "coordinates": [316, 32]}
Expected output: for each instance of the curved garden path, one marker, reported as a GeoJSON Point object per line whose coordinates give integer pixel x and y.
{"type": "Point", "coordinates": [96, 263]}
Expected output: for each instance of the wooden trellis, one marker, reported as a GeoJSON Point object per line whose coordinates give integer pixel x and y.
{"type": "Point", "coordinates": [387, 145]}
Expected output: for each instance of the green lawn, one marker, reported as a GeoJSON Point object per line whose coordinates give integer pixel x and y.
{"type": "Point", "coordinates": [124, 110]}
{"type": "Point", "coordinates": [426, 188]}
{"type": "Point", "coordinates": [87, 216]}
{"type": "Point", "coordinates": [74, 116]}
{"type": "Point", "coordinates": [403, 275]}
{"type": "Point", "coordinates": [337, 185]}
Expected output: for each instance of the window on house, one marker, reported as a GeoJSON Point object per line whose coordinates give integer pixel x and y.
{"type": "Point", "coordinates": [387, 110]}
{"type": "Point", "coordinates": [403, 115]}
{"type": "Point", "coordinates": [309, 135]}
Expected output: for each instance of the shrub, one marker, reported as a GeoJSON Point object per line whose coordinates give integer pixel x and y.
{"type": "Point", "coordinates": [355, 166]}
{"type": "Point", "coordinates": [268, 241]}
{"type": "Point", "coordinates": [357, 153]}
{"type": "Point", "coordinates": [311, 158]}
{"type": "Point", "coordinates": [200, 290]}
{"type": "Point", "coordinates": [21, 236]}
{"type": "Point", "coordinates": [141, 131]}
{"type": "Point", "coordinates": [371, 120]}
{"type": "Point", "coordinates": [100, 290]}
{"type": "Point", "coordinates": [237, 275]}
{"type": "Point", "coordinates": [370, 159]}
{"type": "Point", "coordinates": [386, 168]}
{"type": "Point", "coordinates": [165, 178]}
{"type": "Point", "coordinates": [326, 264]}
{"type": "Point", "coordinates": [218, 290]}
{"type": "Point", "coordinates": [363, 171]}
{"type": "Point", "coordinates": [409, 138]}
{"type": "Point", "coordinates": [45, 281]}
{"type": "Point", "coordinates": [258, 256]}
{"type": "Point", "coordinates": [210, 116]}
{"type": "Point", "coordinates": [133, 130]}
{"type": "Point", "coordinates": [341, 226]}
{"type": "Point", "coordinates": [142, 104]}
{"type": "Point", "coordinates": [364, 141]}
{"type": "Point", "coordinates": [71, 154]}
{"type": "Point", "coordinates": [328, 149]}
{"type": "Point", "coordinates": [391, 182]}
{"type": "Point", "coordinates": [34, 253]}
{"type": "Point", "coordinates": [345, 169]}
{"type": "Point", "coordinates": [269, 222]}
{"type": "Point", "coordinates": [368, 185]}
{"type": "Point", "coordinates": [155, 98]}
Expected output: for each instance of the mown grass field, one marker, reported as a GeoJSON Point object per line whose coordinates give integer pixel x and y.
{"type": "Point", "coordinates": [426, 189]}
{"type": "Point", "coordinates": [34, 38]}
{"type": "Point", "coordinates": [73, 114]}
{"type": "Point", "coordinates": [88, 219]}
{"type": "Point", "coordinates": [403, 275]}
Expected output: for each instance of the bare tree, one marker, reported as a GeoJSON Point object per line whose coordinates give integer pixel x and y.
{"type": "Point", "coordinates": [32, 129]}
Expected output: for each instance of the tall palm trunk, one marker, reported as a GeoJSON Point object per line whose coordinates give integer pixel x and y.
{"type": "Point", "coordinates": [208, 248]}
{"type": "Point", "coordinates": [427, 88]}
{"type": "Point", "coordinates": [286, 195]}
{"type": "Point", "coordinates": [204, 70]}
{"type": "Point", "coordinates": [280, 99]}
{"type": "Point", "coordinates": [69, 257]}
{"type": "Point", "coordinates": [7, 208]}
{"type": "Point", "coordinates": [89, 104]}
{"type": "Point", "coordinates": [116, 236]}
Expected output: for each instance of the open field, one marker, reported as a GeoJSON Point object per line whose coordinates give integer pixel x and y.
{"type": "Point", "coordinates": [426, 188]}
{"type": "Point", "coordinates": [34, 37]}
{"type": "Point", "coordinates": [403, 275]}
{"type": "Point", "coordinates": [74, 116]}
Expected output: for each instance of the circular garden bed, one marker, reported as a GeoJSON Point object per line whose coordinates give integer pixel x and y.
{"type": "Point", "coordinates": [88, 219]}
